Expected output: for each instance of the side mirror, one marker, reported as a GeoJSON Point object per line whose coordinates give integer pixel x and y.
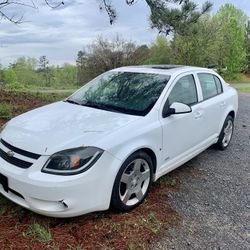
{"type": "Point", "coordinates": [176, 108]}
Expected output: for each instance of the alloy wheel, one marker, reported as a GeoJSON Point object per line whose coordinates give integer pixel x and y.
{"type": "Point", "coordinates": [228, 131]}
{"type": "Point", "coordinates": [134, 182]}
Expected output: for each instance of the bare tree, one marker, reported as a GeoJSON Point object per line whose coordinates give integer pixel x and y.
{"type": "Point", "coordinates": [17, 18]}
{"type": "Point", "coordinates": [103, 55]}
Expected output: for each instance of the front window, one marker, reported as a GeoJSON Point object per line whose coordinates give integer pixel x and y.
{"type": "Point", "coordinates": [184, 91]}
{"type": "Point", "coordinates": [125, 92]}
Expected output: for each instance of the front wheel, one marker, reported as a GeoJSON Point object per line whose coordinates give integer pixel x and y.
{"type": "Point", "coordinates": [226, 133]}
{"type": "Point", "coordinates": [132, 182]}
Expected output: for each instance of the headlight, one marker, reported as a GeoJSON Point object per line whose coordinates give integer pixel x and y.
{"type": "Point", "coordinates": [72, 161]}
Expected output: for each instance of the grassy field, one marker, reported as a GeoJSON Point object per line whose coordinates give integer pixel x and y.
{"type": "Point", "coordinates": [244, 78]}
{"type": "Point", "coordinates": [15, 103]}
{"type": "Point", "coordinates": [52, 87]}
{"type": "Point", "coordinates": [240, 78]}
{"type": "Point", "coordinates": [22, 229]}
{"type": "Point", "coordinates": [243, 89]}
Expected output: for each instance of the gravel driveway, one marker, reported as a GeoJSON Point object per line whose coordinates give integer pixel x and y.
{"type": "Point", "coordinates": [214, 195]}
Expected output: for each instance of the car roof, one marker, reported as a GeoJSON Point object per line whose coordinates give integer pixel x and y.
{"type": "Point", "coordinates": [165, 69]}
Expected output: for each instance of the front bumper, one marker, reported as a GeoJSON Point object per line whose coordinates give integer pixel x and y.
{"type": "Point", "coordinates": [61, 196]}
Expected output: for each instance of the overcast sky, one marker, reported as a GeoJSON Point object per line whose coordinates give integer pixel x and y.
{"type": "Point", "coordinates": [60, 33]}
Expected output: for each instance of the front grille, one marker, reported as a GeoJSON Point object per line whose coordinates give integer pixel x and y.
{"type": "Point", "coordinates": [14, 161]}
{"type": "Point", "coordinates": [20, 151]}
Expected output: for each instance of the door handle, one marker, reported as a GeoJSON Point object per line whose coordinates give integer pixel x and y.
{"type": "Point", "coordinates": [198, 115]}
{"type": "Point", "coordinates": [223, 104]}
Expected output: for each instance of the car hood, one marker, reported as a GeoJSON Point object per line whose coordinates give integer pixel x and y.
{"type": "Point", "coordinates": [60, 126]}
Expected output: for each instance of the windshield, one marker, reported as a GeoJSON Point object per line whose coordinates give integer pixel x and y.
{"type": "Point", "coordinates": [125, 92]}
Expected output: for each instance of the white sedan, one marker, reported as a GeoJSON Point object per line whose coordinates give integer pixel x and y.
{"type": "Point", "coordinates": [104, 145]}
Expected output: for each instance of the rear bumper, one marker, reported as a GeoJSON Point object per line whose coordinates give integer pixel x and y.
{"type": "Point", "coordinates": [61, 196]}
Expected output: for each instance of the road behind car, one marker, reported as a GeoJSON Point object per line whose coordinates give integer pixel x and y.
{"type": "Point", "coordinates": [214, 195]}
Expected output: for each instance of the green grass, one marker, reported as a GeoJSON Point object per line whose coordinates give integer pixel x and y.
{"type": "Point", "coordinates": [243, 89]}
{"type": "Point", "coordinates": [244, 78]}
{"type": "Point", "coordinates": [52, 87]}
{"type": "Point", "coordinates": [38, 232]}
{"type": "Point", "coordinates": [49, 97]}
{"type": "Point", "coordinates": [42, 87]}
{"type": "Point", "coordinates": [6, 111]}
{"type": "Point", "coordinates": [154, 223]}
{"type": "Point", "coordinates": [166, 181]}
{"type": "Point", "coordinates": [239, 78]}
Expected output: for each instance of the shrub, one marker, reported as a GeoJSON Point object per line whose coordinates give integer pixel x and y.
{"type": "Point", "coordinates": [5, 111]}
{"type": "Point", "coordinates": [10, 80]}
{"type": "Point", "coordinates": [14, 86]}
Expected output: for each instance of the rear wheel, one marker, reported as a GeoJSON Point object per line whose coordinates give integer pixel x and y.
{"type": "Point", "coordinates": [226, 133]}
{"type": "Point", "coordinates": [132, 182]}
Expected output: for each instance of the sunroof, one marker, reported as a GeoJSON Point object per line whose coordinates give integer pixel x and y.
{"type": "Point", "coordinates": [159, 66]}
{"type": "Point", "coordinates": [165, 66]}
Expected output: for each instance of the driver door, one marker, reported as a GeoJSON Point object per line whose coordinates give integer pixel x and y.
{"type": "Point", "coordinates": [182, 132]}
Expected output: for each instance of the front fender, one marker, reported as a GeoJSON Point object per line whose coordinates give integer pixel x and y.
{"type": "Point", "coordinates": [146, 133]}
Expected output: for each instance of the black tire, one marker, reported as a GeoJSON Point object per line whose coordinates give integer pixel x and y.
{"type": "Point", "coordinates": [128, 170]}
{"type": "Point", "coordinates": [222, 144]}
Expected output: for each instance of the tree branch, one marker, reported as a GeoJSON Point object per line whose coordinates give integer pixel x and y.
{"type": "Point", "coordinates": [18, 20]}
{"type": "Point", "coordinates": [163, 17]}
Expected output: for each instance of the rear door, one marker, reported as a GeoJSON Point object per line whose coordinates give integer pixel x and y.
{"type": "Point", "coordinates": [212, 103]}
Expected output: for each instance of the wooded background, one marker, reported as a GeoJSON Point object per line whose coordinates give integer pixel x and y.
{"type": "Point", "coordinates": [220, 40]}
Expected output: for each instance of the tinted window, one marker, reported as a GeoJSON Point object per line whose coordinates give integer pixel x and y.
{"type": "Point", "coordinates": [126, 92]}
{"type": "Point", "coordinates": [209, 85]}
{"type": "Point", "coordinates": [184, 91]}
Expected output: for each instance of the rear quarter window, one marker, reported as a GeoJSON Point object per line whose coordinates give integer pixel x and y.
{"type": "Point", "coordinates": [218, 84]}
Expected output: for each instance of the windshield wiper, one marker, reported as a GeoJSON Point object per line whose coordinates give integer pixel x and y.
{"type": "Point", "coordinates": [73, 102]}
{"type": "Point", "coordinates": [101, 106]}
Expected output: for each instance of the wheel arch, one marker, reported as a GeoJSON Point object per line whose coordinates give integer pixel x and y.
{"type": "Point", "coordinates": [230, 111]}
{"type": "Point", "coordinates": [123, 155]}
{"type": "Point", "coordinates": [151, 154]}
{"type": "Point", "coordinates": [232, 114]}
